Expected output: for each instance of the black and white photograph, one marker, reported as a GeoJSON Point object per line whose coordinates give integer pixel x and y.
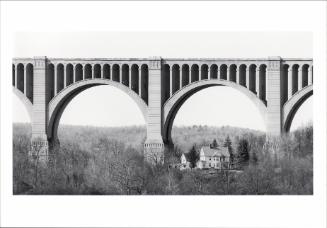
{"type": "Point", "coordinates": [144, 110]}
{"type": "Point", "coordinates": [164, 126]}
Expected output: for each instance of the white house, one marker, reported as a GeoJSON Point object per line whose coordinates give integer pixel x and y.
{"type": "Point", "coordinates": [214, 158]}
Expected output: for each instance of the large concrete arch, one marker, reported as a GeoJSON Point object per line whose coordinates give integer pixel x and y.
{"type": "Point", "coordinates": [27, 103]}
{"type": "Point", "coordinates": [58, 104]}
{"type": "Point", "coordinates": [293, 104]}
{"type": "Point", "coordinates": [173, 104]}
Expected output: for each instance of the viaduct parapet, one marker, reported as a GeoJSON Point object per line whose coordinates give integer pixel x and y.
{"type": "Point", "coordinates": [159, 86]}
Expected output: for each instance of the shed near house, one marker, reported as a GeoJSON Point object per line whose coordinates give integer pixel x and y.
{"type": "Point", "coordinates": [184, 163]}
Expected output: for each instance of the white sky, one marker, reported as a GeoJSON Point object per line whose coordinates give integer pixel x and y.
{"type": "Point", "coordinates": [215, 106]}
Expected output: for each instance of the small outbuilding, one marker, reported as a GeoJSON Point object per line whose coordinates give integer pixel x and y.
{"type": "Point", "coordinates": [184, 163]}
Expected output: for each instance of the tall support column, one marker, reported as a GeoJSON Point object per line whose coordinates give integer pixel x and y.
{"type": "Point", "coordinates": [55, 79]}
{"type": "Point", "coordinates": [153, 146]}
{"type": "Point", "coordinates": [218, 72]}
{"type": "Point", "coordinates": [190, 75]}
{"type": "Point", "coordinates": [274, 118]}
{"type": "Point", "coordinates": [130, 77]}
{"type": "Point", "coordinates": [237, 76]}
{"type": "Point", "coordinates": [227, 72]}
{"type": "Point", "coordinates": [65, 75]}
{"type": "Point", "coordinates": [25, 74]}
{"type": "Point", "coordinates": [101, 71]}
{"type": "Point", "coordinates": [181, 77]}
{"type": "Point", "coordinates": [74, 73]}
{"type": "Point", "coordinates": [112, 72]}
{"type": "Point", "coordinates": [247, 77]}
{"type": "Point", "coordinates": [257, 80]}
{"type": "Point", "coordinates": [16, 82]}
{"type": "Point", "coordinates": [83, 70]}
{"type": "Point", "coordinates": [309, 75]}
{"type": "Point", "coordinates": [170, 81]}
{"type": "Point", "coordinates": [40, 146]}
{"type": "Point", "coordinates": [289, 83]}
{"type": "Point", "coordinates": [140, 81]}
{"type": "Point", "coordinates": [299, 79]}
{"type": "Point", "coordinates": [121, 74]}
{"type": "Point", "coordinates": [208, 73]}
{"type": "Point", "coordinates": [93, 71]}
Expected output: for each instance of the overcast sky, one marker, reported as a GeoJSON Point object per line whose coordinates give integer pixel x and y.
{"type": "Point", "coordinates": [215, 106]}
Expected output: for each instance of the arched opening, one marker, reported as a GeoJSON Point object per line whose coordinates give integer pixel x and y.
{"type": "Point", "coordinates": [125, 75]}
{"type": "Point", "coordinates": [50, 81]}
{"type": "Point", "coordinates": [115, 73]}
{"type": "Point", "coordinates": [262, 82]}
{"type": "Point", "coordinates": [165, 81]}
{"type": "Point", "coordinates": [106, 71]}
{"type": "Point", "coordinates": [284, 83]}
{"type": "Point", "coordinates": [175, 78]}
{"type": "Point", "coordinates": [252, 78]}
{"type": "Point", "coordinates": [135, 78]}
{"type": "Point", "coordinates": [20, 77]}
{"type": "Point", "coordinates": [69, 74]}
{"type": "Point", "coordinates": [213, 71]}
{"type": "Point", "coordinates": [204, 72]}
{"type": "Point", "coordinates": [60, 77]}
{"type": "Point", "coordinates": [59, 104]}
{"type": "Point", "coordinates": [29, 82]}
{"type": "Point", "coordinates": [295, 78]}
{"type": "Point", "coordinates": [242, 75]}
{"type": "Point", "coordinates": [88, 71]}
{"type": "Point", "coordinates": [194, 73]}
{"type": "Point", "coordinates": [232, 72]}
{"type": "Point", "coordinates": [78, 72]}
{"type": "Point", "coordinates": [144, 82]}
{"type": "Point", "coordinates": [13, 75]}
{"type": "Point", "coordinates": [119, 109]}
{"type": "Point", "coordinates": [201, 108]}
{"type": "Point", "coordinates": [292, 106]}
{"type": "Point", "coordinates": [303, 115]}
{"type": "Point", "coordinates": [223, 71]}
{"type": "Point", "coordinates": [305, 73]}
{"type": "Point", "coordinates": [185, 75]}
{"type": "Point", "coordinates": [97, 71]}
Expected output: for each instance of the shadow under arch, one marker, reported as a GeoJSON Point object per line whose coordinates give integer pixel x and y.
{"type": "Point", "coordinates": [58, 104]}
{"type": "Point", "coordinates": [173, 104]}
{"type": "Point", "coordinates": [292, 105]}
{"type": "Point", "coordinates": [26, 102]}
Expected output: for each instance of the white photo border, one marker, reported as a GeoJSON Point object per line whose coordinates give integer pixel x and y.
{"type": "Point", "coordinates": [208, 211]}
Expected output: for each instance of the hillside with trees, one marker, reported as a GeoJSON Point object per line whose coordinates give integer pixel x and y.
{"type": "Point", "coordinates": [94, 160]}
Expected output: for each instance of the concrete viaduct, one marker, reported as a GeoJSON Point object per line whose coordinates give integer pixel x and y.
{"type": "Point", "coordinates": [277, 86]}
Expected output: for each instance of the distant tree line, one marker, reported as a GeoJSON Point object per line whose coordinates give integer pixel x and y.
{"type": "Point", "coordinates": [110, 161]}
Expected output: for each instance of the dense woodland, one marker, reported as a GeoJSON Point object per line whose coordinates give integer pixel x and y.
{"type": "Point", "coordinates": [94, 160]}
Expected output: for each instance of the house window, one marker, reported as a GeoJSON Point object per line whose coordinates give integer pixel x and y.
{"type": "Point", "coordinates": [209, 164]}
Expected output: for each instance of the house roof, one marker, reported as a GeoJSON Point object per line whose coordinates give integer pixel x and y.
{"type": "Point", "coordinates": [210, 152]}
